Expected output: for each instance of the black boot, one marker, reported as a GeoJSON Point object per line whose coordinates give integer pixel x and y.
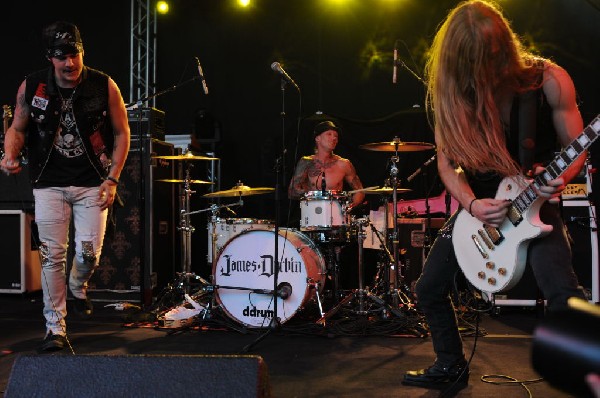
{"type": "Point", "coordinates": [438, 376]}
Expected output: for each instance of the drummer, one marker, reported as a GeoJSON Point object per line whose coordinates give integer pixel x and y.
{"type": "Point", "coordinates": [326, 166]}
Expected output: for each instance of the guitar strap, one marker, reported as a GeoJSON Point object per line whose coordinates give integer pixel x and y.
{"type": "Point", "coordinates": [527, 124]}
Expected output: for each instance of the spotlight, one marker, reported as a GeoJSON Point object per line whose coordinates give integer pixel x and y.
{"type": "Point", "coordinates": [162, 7]}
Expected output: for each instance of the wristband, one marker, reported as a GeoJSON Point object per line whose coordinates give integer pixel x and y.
{"type": "Point", "coordinates": [113, 179]}
{"type": "Point", "coordinates": [471, 205]}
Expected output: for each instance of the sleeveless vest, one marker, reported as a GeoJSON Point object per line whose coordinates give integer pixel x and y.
{"type": "Point", "coordinates": [90, 106]}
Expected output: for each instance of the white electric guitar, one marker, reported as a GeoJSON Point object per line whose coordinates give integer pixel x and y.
{"type": "Point", "coordinates": [493, 259]}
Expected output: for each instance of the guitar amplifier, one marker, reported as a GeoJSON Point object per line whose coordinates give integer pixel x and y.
{"type": "Point", "coordinates": [579, 217]}
{"type": "Point", "coordinates": [412, 244]}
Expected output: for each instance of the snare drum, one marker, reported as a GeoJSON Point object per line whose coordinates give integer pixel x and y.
{"type": "Point", "coordinates": [323, 210]}
{"type": "Point", "coordinates": [227, 228]}
{"type": "Point", "coordinates": [246, 262]}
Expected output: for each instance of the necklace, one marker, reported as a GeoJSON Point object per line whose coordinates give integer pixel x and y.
{"type": "Point", "coordinates": [66, 103]}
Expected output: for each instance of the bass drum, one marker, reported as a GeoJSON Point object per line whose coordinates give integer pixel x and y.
{"type": "Point", "coordinates": [244, 271]}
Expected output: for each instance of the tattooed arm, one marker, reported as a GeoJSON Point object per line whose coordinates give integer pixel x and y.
{"type": "Point", "coordinates": [300, 182]}
{"type": "Point", "coordinates": [14, 138]}
{"type": "Point", "coordinates": [354, 182]}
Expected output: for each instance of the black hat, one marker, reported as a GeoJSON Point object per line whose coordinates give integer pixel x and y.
{"type": "Point", "coordinates": [325, 126]}
{"type": "Point", "coordinates": [62, 38]}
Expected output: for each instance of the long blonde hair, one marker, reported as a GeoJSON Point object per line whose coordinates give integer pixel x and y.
{"type": "Point", "coordinates": [473, 55]}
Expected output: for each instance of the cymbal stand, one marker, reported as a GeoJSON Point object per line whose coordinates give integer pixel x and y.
{"type": "Point", "coordinates": [395, 240]}
{"type": "Point", "coordinates": [186, 228]}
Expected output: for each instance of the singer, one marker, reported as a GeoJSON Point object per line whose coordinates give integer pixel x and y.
{"type": "Point", "coordinates": [325, 170]}
{"type": "Point", "coordinates": [74, 168]}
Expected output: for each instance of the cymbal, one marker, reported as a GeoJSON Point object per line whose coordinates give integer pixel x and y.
{"type": "Point", "coordinates": [397, 145]}
{"type": "Point", "coordinates": [362, 190]}
{"type": "Point", "coordinates": [186, 156]}
{"type": "Point", "coordinates": [387, 191]}
{"type": "Point", "coordinates": [239, 190]}
{"type": "Point", "coordinates": [190, 181]}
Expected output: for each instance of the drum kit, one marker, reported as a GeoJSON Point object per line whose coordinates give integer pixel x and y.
{"type": "Point", "coordinates": [242, 252]}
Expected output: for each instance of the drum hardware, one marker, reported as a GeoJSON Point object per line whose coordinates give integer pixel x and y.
{"type": "Point", "coordinates": [213, 236]}
{"type": "Point", "coordinates": [396, 146]}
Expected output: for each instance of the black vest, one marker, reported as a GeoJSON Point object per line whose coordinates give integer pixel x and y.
{"type": "Point", "coordinates": [90, 105]}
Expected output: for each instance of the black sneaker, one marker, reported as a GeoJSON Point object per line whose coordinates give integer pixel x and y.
{"type": "Point", "coordinates": [53, 342]}
{"type": "Point", "coordinates": [83, 308]}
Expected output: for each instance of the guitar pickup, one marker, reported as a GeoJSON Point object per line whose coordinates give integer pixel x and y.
{"type": "Point", "coordinates": [514, 215]}
{"type": "Point", "coordinates": [480, 247]}
{"type": "Point", "coordinates": [494, 234]}
{"type": "Point", "coordinates": [483, 235]}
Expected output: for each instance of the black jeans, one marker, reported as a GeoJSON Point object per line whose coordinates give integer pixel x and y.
{"type": "Point", "coordinates": [549, 257]}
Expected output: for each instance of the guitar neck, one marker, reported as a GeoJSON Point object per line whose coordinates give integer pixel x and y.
{"type": "Point", "coordinates": [558, 165]}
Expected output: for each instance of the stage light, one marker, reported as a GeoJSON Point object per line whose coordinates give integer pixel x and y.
{"type": "Point", "coordinates": [244, 3]}
{"type": "Point", "coordinates": [162, 7]}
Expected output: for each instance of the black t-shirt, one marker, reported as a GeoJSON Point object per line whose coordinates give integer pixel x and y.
{"type": "Point", "coordinates": [68, 164]}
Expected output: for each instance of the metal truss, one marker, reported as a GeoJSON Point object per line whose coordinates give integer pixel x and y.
{"type": "Point", "coordinates": [142, 81]}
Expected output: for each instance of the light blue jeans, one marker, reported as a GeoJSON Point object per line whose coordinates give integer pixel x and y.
{"type": "Point", "coordinates": [54, 208]}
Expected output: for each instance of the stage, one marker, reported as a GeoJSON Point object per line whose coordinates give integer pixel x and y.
{"type": "Point", "coordinates": [355, 357]}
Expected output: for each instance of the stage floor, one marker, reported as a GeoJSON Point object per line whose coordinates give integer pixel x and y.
{"type": "Point", "coordinates": [356, 358]}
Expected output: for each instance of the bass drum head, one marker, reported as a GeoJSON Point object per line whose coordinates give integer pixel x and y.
{"type": "Point", "coordinates": [244, 273]}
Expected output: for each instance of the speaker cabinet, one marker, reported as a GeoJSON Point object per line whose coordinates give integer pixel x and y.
{"type": "Point", "coordinates": [16, 192]}
{"type": "Point", "coordinates": [414, 237]}
{"type": "Point", "coordinates": [579, 218]}
{"type": "Point", "coordinates": [138, 255]}
{"type": "Point", "coordinates": [212, 376]}
{"type": "Point", "coordinates": [20, 271]}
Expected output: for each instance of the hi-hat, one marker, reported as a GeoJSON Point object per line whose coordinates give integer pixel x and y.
{"type": "Point", "coordinates": [397, 145]}
{"type": "Point", "coordinates": [185, 156]}
{"type": "Point", "coordinates": [387, 190]}
{"type": "Point", "coordinates": [183, 181]}
{"type": "Point", "coordinates": [239, 190]}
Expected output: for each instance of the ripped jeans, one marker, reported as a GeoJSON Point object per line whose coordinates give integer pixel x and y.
{"type": "Point", "coordinates": [54, 208]}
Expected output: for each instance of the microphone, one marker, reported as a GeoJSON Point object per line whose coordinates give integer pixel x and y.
{"type": "Point", "coordinates": [416, 173]}
{"type": "Point", "coordinates": [395, 70]}
{"type": "Point", "coordinates": [323, 184]}
{"type": "Point", "coordinates": [201, 74]}
{"type": "Point", "coordinates": [284, 290]}
{"type": "Point", "coordinates": [276, 66]}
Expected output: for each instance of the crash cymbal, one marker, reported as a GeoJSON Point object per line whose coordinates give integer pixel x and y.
{"type": "Point", "coordinates": [362, 190]}
{"type": "Point", "coordinates": [185, 156]}
{"type": "Point", "coordinates": [387, 191]}
{"type": "Point", "coordinates": [190, 181]}
{"type": "Point", "coordinates": [239, 190]}
{"type": "Point", "coordinates": [397, 145]}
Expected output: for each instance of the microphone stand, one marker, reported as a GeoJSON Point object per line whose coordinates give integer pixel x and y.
{"type": "Point", "coordinates": [275, 323]}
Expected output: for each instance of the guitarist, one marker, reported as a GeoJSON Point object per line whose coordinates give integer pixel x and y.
{"type": "Point", "coordinates": [482, 84]}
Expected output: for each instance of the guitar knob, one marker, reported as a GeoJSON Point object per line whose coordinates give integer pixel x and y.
{"type": "Point", "coordinates": [502, 271]}
{"type": "Point", "coordinates": [481, 275]}
{"type": "Point", "coordinates": [492, 281]}
{"type": "Point", "coordinates": [490, 265]}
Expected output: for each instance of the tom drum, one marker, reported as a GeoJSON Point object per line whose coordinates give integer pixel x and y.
{"type": "Point", "coordinates": [226, 228]}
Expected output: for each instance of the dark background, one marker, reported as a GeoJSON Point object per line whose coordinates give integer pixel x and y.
{"type": "Point", "coordinates": [339, 54]}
